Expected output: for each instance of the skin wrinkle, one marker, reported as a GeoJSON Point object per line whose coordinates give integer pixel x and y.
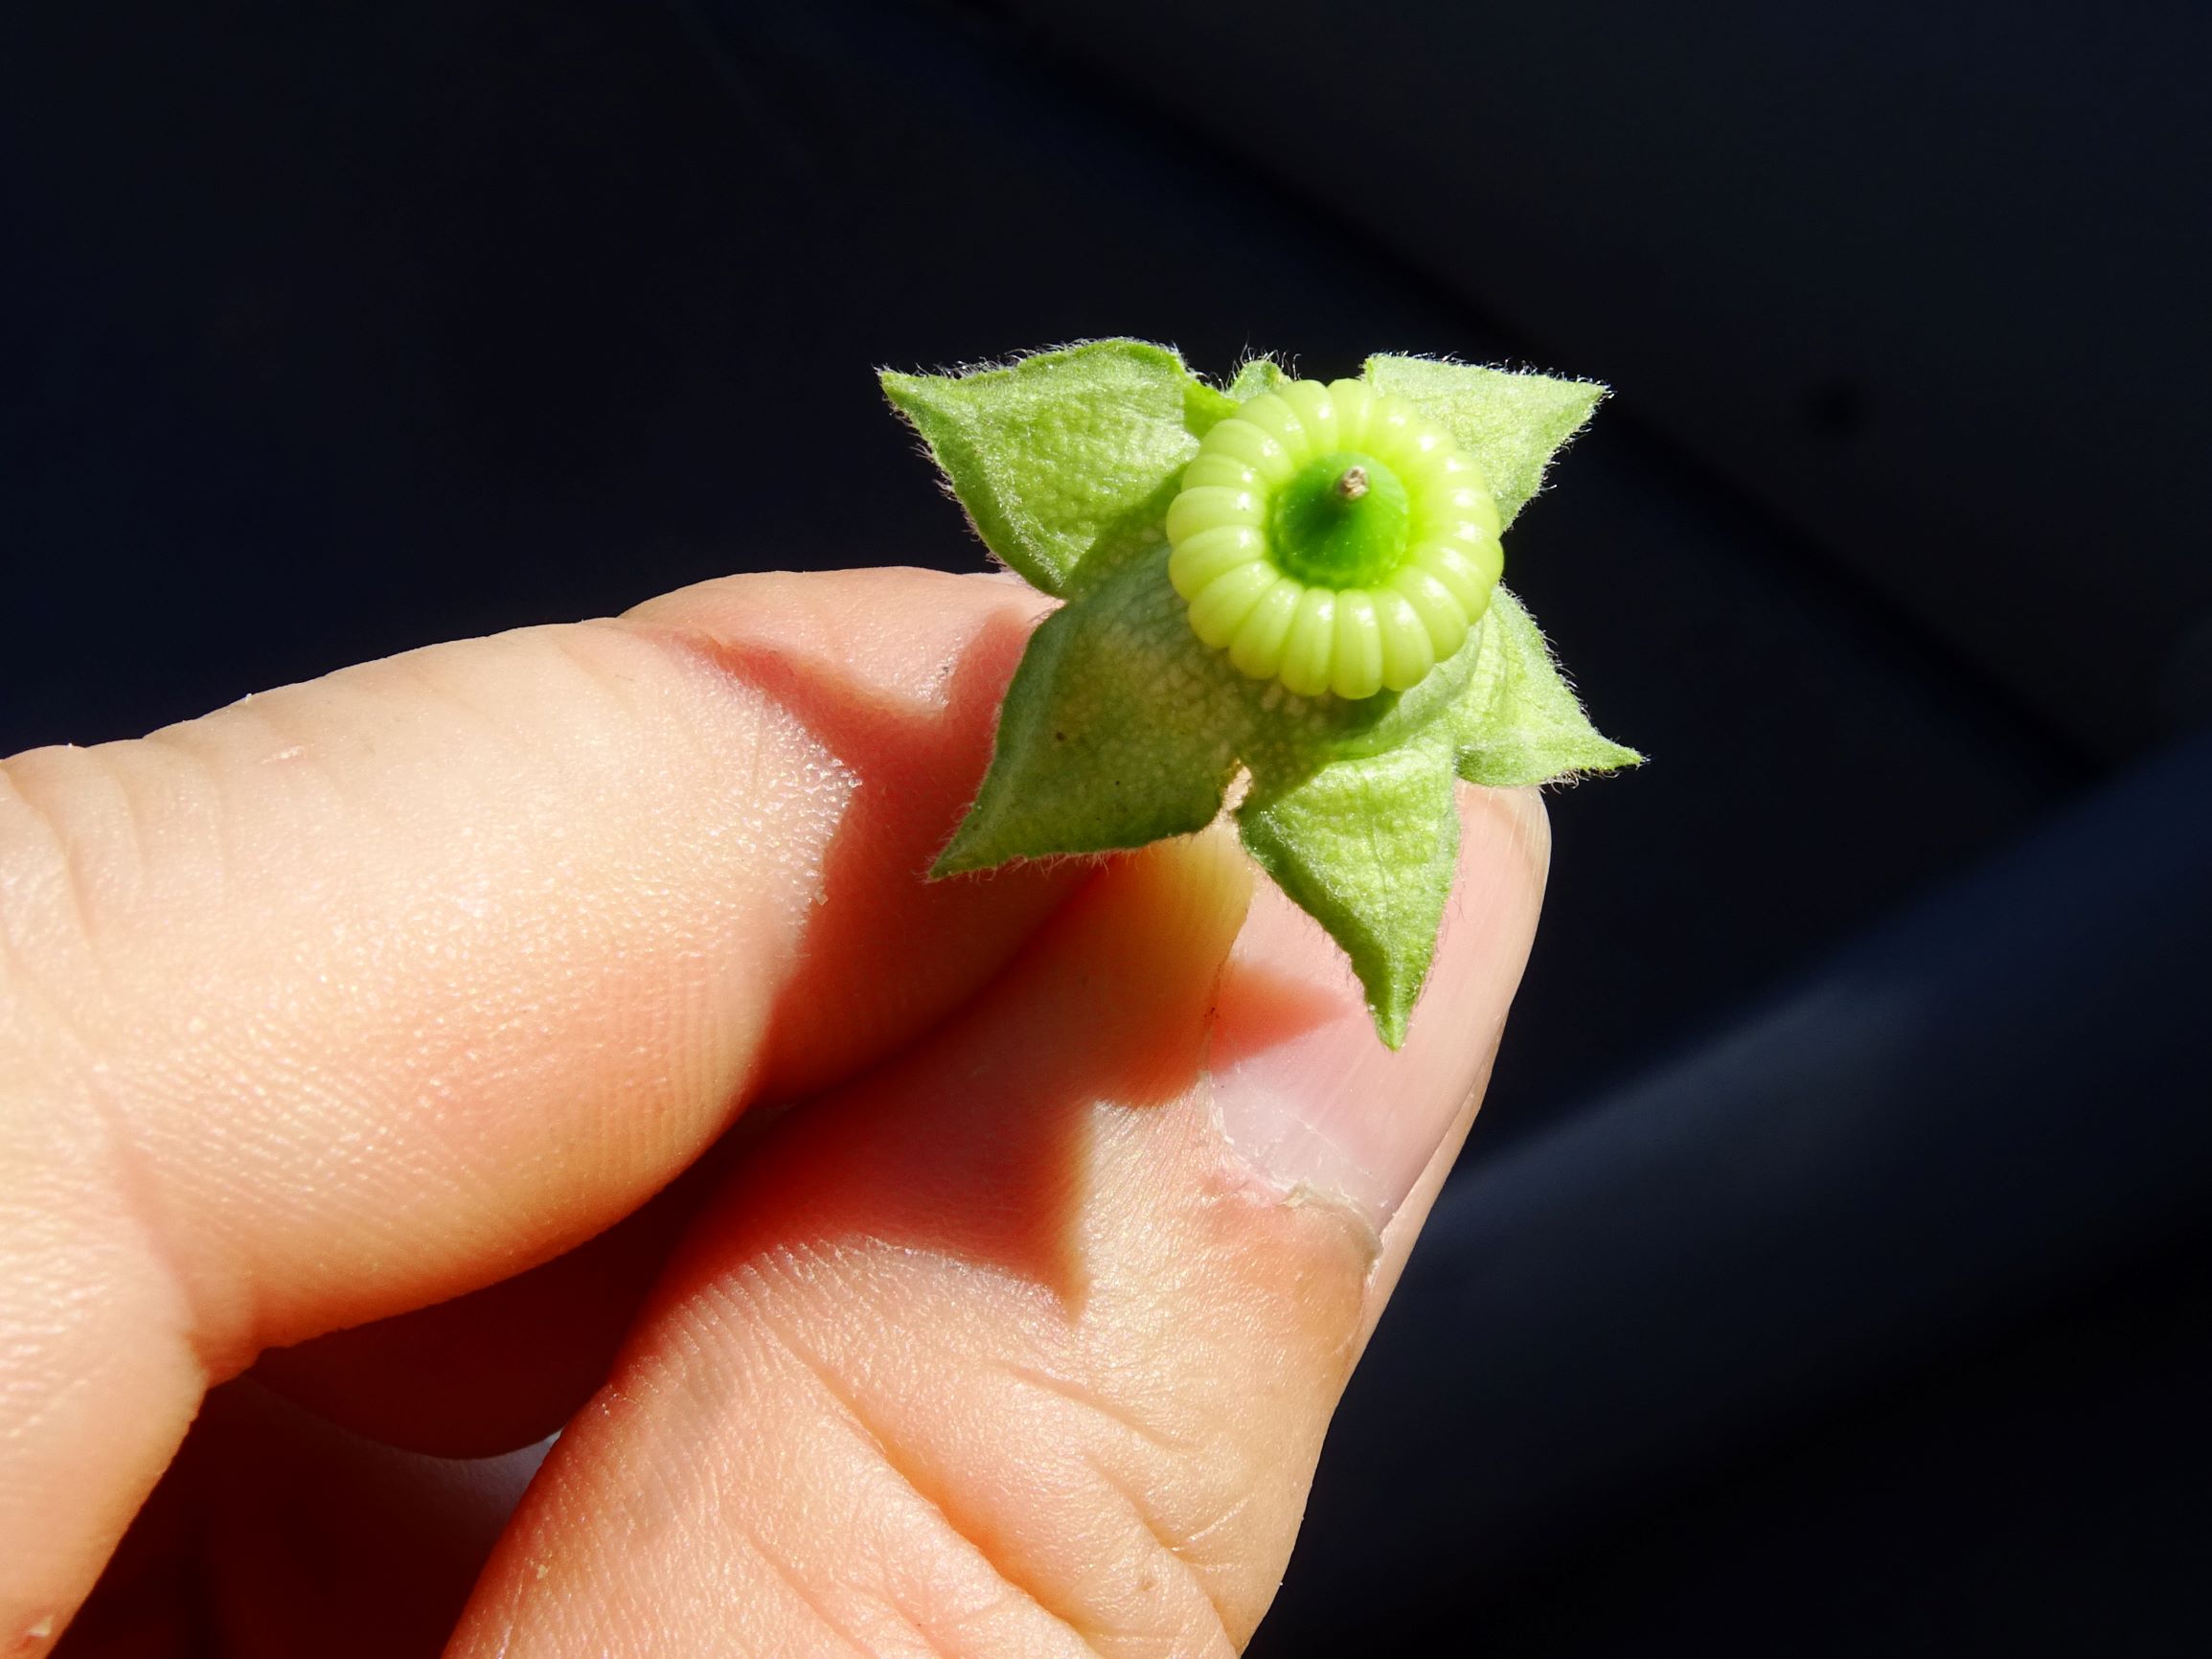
{"type": "Point", "coordinates": [789, 1577]}
{"type": "Point", "coordinates": [694, 1348]}
{"type": "Point", "coordinates": [131, 1182]}
{"type": "Point", "coordinates": [58, 1327]}
{"type": "Point", "coordinates": [137, 1190]}
{"type": "Point", "coordinates": [177, 744]}
{"type": "Point", "coordinates": [1225, 1191]}
{"type": "Point", "coordinates": [890, 1456]}
{"type": "Point", "coordinates": [836, 1417]}
{"type": "Point", "coordinates": [59, 1022]}
{"type": "Point", "coordinates": [1186, 1135]}
{"type": "Point", "coordinates": [421, 670]}
{"type": "Point", "coordinates": [1217, 1641]}
{"type": "Point", "coordinates": [1103, 1408]}
{"type": "Point", "coordinates": [1228, 1518]}
{"type": "Point", "coordinates": [1075, 1393]}
{"type": "Point", "coordinates": [61, 855]}
{"type": "Point", "coordinates": [135, 1182]}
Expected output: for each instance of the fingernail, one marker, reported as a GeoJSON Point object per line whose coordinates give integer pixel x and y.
{"type": "Point", "coordinates": [1307, 1094]}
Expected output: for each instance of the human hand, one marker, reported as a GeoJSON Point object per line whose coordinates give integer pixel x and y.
{"type": "Point", "coordinates": [378, 1043]}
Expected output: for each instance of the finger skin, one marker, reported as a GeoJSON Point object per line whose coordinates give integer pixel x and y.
{"type": "Point", "coordinates": [1004, 1348]}
{"type": "Point", "coordinates": [370, 992]}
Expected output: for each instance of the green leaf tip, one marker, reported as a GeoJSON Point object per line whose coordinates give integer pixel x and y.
{"type": "Point", "coordinates": [1065, 459]}
{"type": "Point", "coordinates": [1123, 726]}
{"type": "Point", "coordinates": [1521, 722]}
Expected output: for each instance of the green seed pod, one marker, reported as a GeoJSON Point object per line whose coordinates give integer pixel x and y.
{"type": "Point", "coordinates": [1331, 539]}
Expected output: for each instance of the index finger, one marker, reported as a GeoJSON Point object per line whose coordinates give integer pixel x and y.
{"type": "Point", "coordinates": [368, 991]}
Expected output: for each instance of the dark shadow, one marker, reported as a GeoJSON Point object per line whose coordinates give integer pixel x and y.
{"type": "Point", "coordinates": [1260, 1009]}
{"type": "Point", "coordinates": [975, 1144]}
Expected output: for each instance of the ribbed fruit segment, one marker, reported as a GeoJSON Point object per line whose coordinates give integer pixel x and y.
{"type": "Point", "coordinates": [1331, 539]}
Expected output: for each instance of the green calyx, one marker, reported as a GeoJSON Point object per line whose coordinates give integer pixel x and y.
{"type": "Point", "coordinates": [1292, 582]}
{"type": "Point", "coordinates": [1342, 522]}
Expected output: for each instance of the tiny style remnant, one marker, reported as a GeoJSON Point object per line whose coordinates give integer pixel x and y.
{"type": "Point", "coordinates": [1293, 581]}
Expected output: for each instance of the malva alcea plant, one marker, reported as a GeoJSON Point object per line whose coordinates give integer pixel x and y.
{"type": "Point", "coordinates": [1281, 579]}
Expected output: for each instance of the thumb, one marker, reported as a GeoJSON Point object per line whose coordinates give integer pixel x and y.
{"type": "Point", "coordinates": [1025, 1343]}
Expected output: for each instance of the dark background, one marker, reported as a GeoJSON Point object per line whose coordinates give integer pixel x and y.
{"type": "Point", "coordinates": [1830, 1271]}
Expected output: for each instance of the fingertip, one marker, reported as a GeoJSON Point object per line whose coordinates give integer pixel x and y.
{"type": "Point", "coordinates": [1307, 1093]}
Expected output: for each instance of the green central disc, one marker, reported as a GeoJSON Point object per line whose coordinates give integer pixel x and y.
{"type": "Point", "coordinates": [1340, 522]}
